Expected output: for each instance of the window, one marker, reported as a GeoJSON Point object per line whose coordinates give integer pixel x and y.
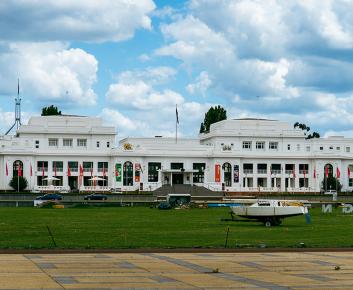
{"type": "Point", "coordinates": [321, 148]}
{"type": "Point", "coordinates": [153, 168]}
{"type": "Point", "coordinates": [307, 148]}
{"type": "Point", "coordinates": [37, 143]}
{"type": "Point", "coordinates": [53, 142]}
{"type": "Point", "coordinates": [108, 144]}
{"type": "Point", "coordinates": [338, 148]}
{"type": "Point", "coordinates": [246, 144]}
{"type": "Point", "coordinates": [273, 145]}
{"type": "Point", "coordinates": [198, 177]}
{"type": "Point", "coordinates": [67, 142]}
{"type": "Point", "coordinates": [42, 166]}
{"type": "Point", "coordinates": [57, 166]}
{"type": "Point", "coordinates": [73, 166]}
{"type": "Point", "coordinates": [103, 168]}
{"type": "Point", "coordinates": [331, 147]}
{"type": "Point", "coordinates": [298, 147]}
{"type": "Point", "coordinates": [128, 174]}
{"type": "Point", "coordinates": [348, 149]}
{"type": "Point", "coordinates": [260, 145]}
{"type": "Point", "coordinates": [98, 144]}
{"type": "Point", "coordinates": [81, 142]}
{"type": "Point", "coordinates": [288, 146]}
{"type": "Point", "coordinates": [176, 166]}
{"type": "Point", "coordinates": [350, 182]}
{"type": "Point", "coordinates": [87, 166]}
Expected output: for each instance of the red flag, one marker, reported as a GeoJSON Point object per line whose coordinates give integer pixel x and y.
{"type": "Point", "coordinates": [91, 171]}
{"type": "Point", "coordinates": [7, 170]}
{"type": "Point", "coordinates": [349, 172]}
{"type": "Point", "coordinates": [293, 172]}
{"type": "Point", "coordinates": [68, 170]}
{"type": "Point", "coordinates": [19, 170]}
{"type": "Point", "coordinates": [304, 172]}
{"type": "Point", "coordinates": [104, 171]}
{"type": "Point", "coordinates": [55, 168]}
{"type": "Point", "coordinates": [81, 170]}
{"type": "Point", "coordinates": [30, 169]}
{"type": "Point", "coordinates": [338, 173]}
{"type": "Point", "coordinates": [314, 172]}
{"type": "Point", "coordinates": [326, 171]}
{"type": "Point", "coordinates": [42, 168]}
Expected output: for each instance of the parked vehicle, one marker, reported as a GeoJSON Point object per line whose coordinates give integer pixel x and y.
{"type": "Point", "coordinates": [96, 196]}
{"type": "Point", "coordinates": [50, 196]}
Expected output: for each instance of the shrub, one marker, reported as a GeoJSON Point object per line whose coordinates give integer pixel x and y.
{"type": "Point", "coordinates": [18, 183]}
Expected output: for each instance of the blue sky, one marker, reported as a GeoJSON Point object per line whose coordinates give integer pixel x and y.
{"type": "Point", "coordinates": [132, 61]}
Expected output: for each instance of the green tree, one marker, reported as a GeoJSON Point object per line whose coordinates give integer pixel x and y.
{"type": "Point", "coordinates": [18, 183]}
{"type": "Point", "coordinates": [213, 115]}
{"type": "Point", "coordinates": [306, 129]}
{"type": "Point", "coordinates": [50, 111]}
{"type": "Point", "coordinates": [331, 183]}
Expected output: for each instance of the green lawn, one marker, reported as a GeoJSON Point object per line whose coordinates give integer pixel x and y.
{"type": "Point", "coordinates": [141, 227]}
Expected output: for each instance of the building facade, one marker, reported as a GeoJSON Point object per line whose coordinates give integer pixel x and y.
{"type": "Point", "coordinates": [244, 155]}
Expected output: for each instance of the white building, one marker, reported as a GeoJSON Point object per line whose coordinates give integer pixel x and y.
{"type": "Point", "coordinates": [243, 155]}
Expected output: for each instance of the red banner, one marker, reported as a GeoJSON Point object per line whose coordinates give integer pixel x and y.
{"type": "Point", "coordinates": [217, 173]}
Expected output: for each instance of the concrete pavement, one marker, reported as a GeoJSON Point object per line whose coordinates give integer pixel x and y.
{"type": "Point", "coordinates": [266, 270]}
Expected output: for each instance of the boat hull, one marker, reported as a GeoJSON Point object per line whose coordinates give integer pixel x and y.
{"type": "Point", "coordinates": [270, 211]}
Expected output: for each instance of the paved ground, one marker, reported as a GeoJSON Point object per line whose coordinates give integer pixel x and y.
{"type": "Point", "coordinates": [272, 270]}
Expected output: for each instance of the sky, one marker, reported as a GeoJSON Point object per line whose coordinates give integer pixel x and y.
{"type": "Point", "coordinates": [132, 61]}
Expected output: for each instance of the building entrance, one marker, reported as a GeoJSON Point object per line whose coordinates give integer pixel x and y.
{"type": "Point", "coordinates": [73, 182]}
{"type": "Point", "coordinates": [178, 178]}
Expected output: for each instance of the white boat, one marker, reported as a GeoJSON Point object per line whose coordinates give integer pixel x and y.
{"type": "Point", "coordinates": [270, 212]}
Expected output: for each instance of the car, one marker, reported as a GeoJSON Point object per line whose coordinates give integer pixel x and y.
{"type": "Point", "coordinates": [333, 192]}
{"type": "Point", "coordinates": [50, 196]}
{"type": "Point", "coordinates": [96, 196]}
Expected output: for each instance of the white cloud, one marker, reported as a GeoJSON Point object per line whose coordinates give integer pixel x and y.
{"type": "Point", "coordinates": [201, 85]}
{"type": "Point", "coordinates": [66, 20]}
{"type": "Point", "coordinates": [7, 119]}
{"type": "Point", "coordinates": [49, 71]}
{"type": "Point", "coordinates": [124, 124]}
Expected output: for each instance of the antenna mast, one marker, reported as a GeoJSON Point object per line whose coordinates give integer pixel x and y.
{"type": "Point", "coordinates": [17, 110]}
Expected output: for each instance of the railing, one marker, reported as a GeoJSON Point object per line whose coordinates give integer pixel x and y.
{"type": "Point", "coordinates": [289, 171]}
{"type": "Point", "coordinates": [276, 171]}
{"type": "Point", "coordinates": [58, 169]}
{"type": "Point", "coordinates": [302, 171]}
{"type": "Point", "coordinates": [40, 169]}
{"type": "Point", "coordinates": [101, 169]}
{"type": "Point", "coordinates": [74, 169]}
{"type": "Point", "coordinates": [248, 171]}
{"type": "Point", "coordinates": [214, 186]}
{"type": "Point", "coordinates": [95, 188]}
{"type": "Point", "coordinates": [262, 171]}
{"type": "Point", "coordinates": [152, 186]}
{"type": "Point", "coordinates": [45, 188]}
{"type": "Point", "coordinates": [87, 169]}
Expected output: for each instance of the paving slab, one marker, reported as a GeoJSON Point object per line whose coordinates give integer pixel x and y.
{"type": "Point", "coordinates": [98, 271]}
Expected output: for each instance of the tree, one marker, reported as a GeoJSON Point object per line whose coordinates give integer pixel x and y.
{"type": "Point", "coordinates": [50, 111]}
{"type": "Point", "coordinates": [18, 183]}
{"type": "Point", "coordinates": [213, 115]}
{"type": "Point", "coordinates": [307, 129]}
{"type": "Point", "coordinates": [331, 183]}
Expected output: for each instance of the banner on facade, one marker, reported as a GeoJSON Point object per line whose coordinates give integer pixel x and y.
{"type": "Point", "coordinates": [118, 172]}
{"type": "Point", "coordinates": [236, 173]}
{"type": "Point", "coordinates": [217, 173]}
{"type": "Point", "coordinates": [137, 172]}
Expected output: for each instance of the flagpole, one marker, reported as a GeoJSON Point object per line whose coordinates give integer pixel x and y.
{"type": "Point", "coordinates": [176, 124]}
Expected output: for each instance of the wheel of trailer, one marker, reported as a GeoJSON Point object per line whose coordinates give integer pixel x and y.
{"type": "Point", "coordinates": [268, 223]}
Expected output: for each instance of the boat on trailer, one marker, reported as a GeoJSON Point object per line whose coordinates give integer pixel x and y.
{"type": "Point", "coordinates": [271, 212]}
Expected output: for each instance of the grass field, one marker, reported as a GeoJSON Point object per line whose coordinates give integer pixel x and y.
{"type": "Point", "coordinates": [140, 227]}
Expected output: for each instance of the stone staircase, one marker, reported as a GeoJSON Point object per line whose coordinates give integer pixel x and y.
{"type": "Point", "coordinates": [186, 189]}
